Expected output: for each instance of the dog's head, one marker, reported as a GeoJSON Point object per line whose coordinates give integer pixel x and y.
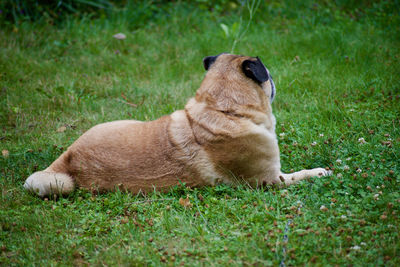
{"type": "Point", "coordinates": [236, 80]}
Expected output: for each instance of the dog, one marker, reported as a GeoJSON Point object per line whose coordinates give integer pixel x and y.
{"type": "Point", "coordinates": [225, 134]}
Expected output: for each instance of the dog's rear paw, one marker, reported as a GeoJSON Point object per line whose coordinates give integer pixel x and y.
{"type": "Point", "coordinates": [45, 183]}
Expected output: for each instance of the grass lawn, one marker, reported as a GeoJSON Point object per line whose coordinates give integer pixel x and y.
{"type": "Point", "coordinates": [338, 87]}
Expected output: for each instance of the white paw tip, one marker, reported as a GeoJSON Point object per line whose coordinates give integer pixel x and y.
{"type": "Point", "coordinates": [324, 172]}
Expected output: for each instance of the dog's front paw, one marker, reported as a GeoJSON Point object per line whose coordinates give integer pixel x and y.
{"type": "Point", "coordinates": [320, 172]}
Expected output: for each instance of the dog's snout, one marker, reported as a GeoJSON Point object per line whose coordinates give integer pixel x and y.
{"type": "Point", "coordinates": [272, 88]}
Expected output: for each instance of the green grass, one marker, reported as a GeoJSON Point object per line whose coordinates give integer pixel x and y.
{"type": "Point", "coordinates": [337, 77]}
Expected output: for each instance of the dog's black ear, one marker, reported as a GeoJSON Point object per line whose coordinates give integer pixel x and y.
{"type": "Point", "coordinates": [208, 61]}
{"type": "Point", "coordinates": [255, 70]}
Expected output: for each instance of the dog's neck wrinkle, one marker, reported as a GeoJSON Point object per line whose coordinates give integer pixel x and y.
{"type": "Point", "coordinates": [228, 98]}
{"type": "Point", "coordinates": [231, 113]}
{"type": "Point", "coordinates": [256, 113]}
{"type": "Point", "coordinates": [190, 120]}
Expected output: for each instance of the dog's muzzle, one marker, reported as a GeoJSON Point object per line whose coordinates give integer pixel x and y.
{"type": "Point", "coordinates": [272, 84]}
{"type": "Point", "coordinates": [272, 88]}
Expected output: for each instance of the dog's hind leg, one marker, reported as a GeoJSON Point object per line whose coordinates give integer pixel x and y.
{"type": "Point", "coordinates": [45, 183]}
{"type": "Point", "coordinates": [292, 178]}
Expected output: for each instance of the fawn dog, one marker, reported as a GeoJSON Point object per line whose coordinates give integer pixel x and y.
{"type": "Point", "coordinates": [225, 134]}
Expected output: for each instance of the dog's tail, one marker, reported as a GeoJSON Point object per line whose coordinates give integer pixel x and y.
{"type": "Point", "coordinates": [46, 183]}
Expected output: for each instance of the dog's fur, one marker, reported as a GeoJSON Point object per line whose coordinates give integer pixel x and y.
{"type": "Point", "coordinates": [226, 133]}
